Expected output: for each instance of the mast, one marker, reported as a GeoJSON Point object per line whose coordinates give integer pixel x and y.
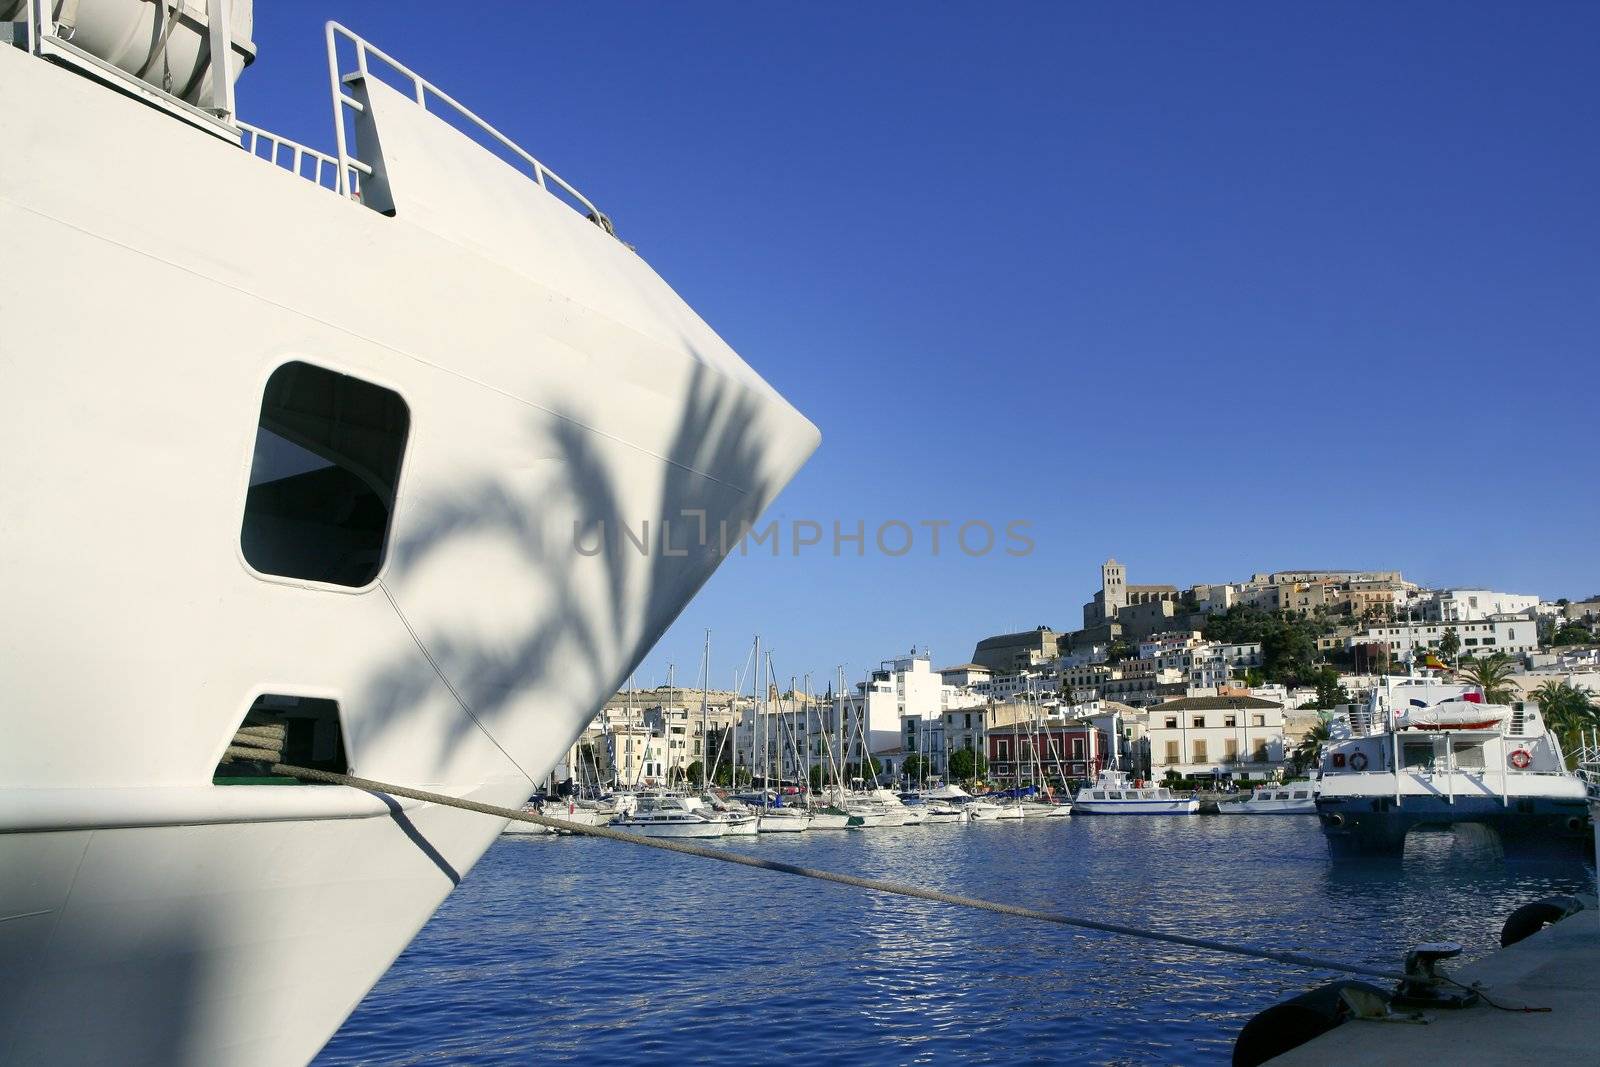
{"type": "Point", "coordinates": [705, 699]}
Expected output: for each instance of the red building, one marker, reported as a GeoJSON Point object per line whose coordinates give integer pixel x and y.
{"type": "Point", "coordinates": [1047, 752]}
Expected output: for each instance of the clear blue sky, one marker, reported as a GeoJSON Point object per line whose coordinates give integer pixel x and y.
{"type": "Point", "coordinates": [1213, 288]}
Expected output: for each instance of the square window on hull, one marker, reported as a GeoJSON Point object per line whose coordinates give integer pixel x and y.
{"type": "Point", "coordinates": [300, 731]}
{"type": "Point", "coordinates": [323, 478]}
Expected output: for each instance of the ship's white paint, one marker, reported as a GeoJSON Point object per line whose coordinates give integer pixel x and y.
{"type": "Point", "coordinates": [155, 277]}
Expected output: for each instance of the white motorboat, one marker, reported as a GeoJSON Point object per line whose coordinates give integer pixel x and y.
{"type": "Point", "coordinates": [896, 813]}
{"type": "Point", "coordinates": [1114, 793]}
{"type": "Point", "coordinates": [669, 815]}
{"type": "Point", "coordinates": [737, 819]}
{"type": "Point", "coordinates": [981, 810]}
{"type": "Point", "coordinates": [409, 389]}
{"type": "Point", "coordinates": [1281, 798]}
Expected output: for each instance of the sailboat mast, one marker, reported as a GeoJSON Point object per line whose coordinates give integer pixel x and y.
{"type": "Point", "coordinates": [705, 700]}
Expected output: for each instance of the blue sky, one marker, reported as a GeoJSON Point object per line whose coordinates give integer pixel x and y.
{"type": "Point", "coordinates": [1212, 288]}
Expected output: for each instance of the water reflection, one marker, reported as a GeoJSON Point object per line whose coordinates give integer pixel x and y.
{"type": "Point", "coordinates": [566, 949]}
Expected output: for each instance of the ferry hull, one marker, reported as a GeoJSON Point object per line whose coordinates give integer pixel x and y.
{"type": "Point", "coordinates": [1358, 826]}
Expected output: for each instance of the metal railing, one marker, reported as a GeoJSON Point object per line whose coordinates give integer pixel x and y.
{"type": "Point", "coordinates": [349, 167]}
{"type": "Point", "coordinates": [319, 168]}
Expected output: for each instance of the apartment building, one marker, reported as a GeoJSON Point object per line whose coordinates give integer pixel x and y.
{"type": "Point", "coordinates": [1233, 736]}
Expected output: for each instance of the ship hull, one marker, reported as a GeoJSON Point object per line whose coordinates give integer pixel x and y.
{"type": "Point", "coordinates": [559, 393]}
{"type": "Point", "coordinates": [1376, 826]}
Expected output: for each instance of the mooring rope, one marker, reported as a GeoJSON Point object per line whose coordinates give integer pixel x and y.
{"type": "Point", "coordinates": [876, 885]}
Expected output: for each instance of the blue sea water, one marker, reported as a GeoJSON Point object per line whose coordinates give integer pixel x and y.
{"type": "Point", "coordinates": [565, 949]}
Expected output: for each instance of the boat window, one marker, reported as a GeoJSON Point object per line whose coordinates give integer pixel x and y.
{"type": "Point", "coordinates": [1099, 794]}
{"type": "Point", "coordinates": [1301, 794]}
{"type": "Point", "coordinates": [1470, 757]}
{"type": "Point", "coordinates": [322, 481]}
{"type": "Point", "coordinates": [1418, 756]}
{"type": "Point", "coordinates": [1162, 794]}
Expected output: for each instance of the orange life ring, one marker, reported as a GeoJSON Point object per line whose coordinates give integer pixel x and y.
{"type": "Point", "coordinates": [1358, 762]}
{"type": "Point", "coordinates": [1520, 759]}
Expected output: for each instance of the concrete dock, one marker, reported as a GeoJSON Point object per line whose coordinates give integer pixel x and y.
{"type": "Point", "coordinates": [1557, 968]}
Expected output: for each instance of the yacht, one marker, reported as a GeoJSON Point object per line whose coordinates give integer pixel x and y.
{"type": "Point", "coordinates": [980, 809]}
{"type": "Point", "coordinates": [932, 811]}
{"type": "Point", "coordinates": [736, 818]}
{"type": "Point", "coordinates": [670, 815]}
{"type": "Point", "coordinates": [897, 812]}
{"type": "Point", "coordinates": [1114, 793]}
{"type": "Point", "coordinates": [323, 453]}
{"type": "Point", "coordinates": [832, 817]}
{"type": "Point", "coordinates": [527, 829]}
{"type": "Point", "coordinates": [1426, 753]}
{"type": "Point", "coordinates": [1280, 798]}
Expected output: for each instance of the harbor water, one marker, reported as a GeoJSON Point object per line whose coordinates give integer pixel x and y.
{"type": "Point", "coordinates": [565, 949]}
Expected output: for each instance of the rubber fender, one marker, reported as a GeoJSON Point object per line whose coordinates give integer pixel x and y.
{"type": "Point", "coordinates": [1292, 1023]}
{"type": "Point", "coordinates": [1531, 918]}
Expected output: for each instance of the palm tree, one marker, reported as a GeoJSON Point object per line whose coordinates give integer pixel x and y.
{"type": "Point", "coordinates": [1309, 750]}
{"type": "Point", "coordinates": [1492, 674]}
{"type": "Point", "coordinates": [1568, 711]}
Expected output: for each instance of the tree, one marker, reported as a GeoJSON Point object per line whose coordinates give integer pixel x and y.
{"type": "Point", "coordinates": [1571, 634]}
{"type": "Point", "coordinates": [1450, 644]}
{"type": "Point", "coordinates": [1309, 751]}
{"type": "Point", "coordinates": [966, 765]}
{"type": "Point", "coordinates": [1330, 694]}
{"type": "Point", "coordinates": [1568, 712]}
{"type": "Point", "coordinates": [1492, 674]}
{"type": "Point", "coordinates": [916, 768]}
{"type": "Point", "coordinates": [695, 772]}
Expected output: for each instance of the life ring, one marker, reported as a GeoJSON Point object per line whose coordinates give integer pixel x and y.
{"type": "Point", "coordinates": [1358, 762]}
{"type": "Point", "coordinates": [1520, 759]}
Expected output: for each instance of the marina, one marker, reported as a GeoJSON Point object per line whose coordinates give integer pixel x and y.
{"type": "Point", "coordinates": [892, 981]}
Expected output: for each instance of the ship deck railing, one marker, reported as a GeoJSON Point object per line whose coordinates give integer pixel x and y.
{"type": "Point", "coordinates": [319, 168]}
{"type": "Point", "coordinates": [424, 92]}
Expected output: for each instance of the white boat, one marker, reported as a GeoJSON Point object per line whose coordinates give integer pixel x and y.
{"type": "Point", "coordinates": [527, 829]}
{"type": "Point", "coordinates": [980, 810]}
{"type": "Point", "coordinates": [1009, 810]}
{"type": "Point", "coordinates": [896, 813]}
{"type": "Point", "coordinates": [1425, 753]}
{"type": "Point", "coordinates": [669, 815]}
{"type": "Point", "coordinates": [832, 818]}
{"type": "Point", "coordinates": [1114, 793]}
{"type": "Point", "coordinates": [737, 820]}
{"type": "Point", "coordinates": [932, 811]}
{"type": "Point", "coordinates": [784, 820]}
{"type": "Point", "coordinates": [1044, 809]}
{"type": "Point", "coordinates": [1282, 798]}
{"type": "Point", "coordinates": [348, 418]}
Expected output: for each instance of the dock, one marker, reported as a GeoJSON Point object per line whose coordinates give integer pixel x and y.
{"type": "Point", "coordinates": [1557, 968]}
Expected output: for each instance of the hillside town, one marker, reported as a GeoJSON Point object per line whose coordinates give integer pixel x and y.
{"type": "Point", "coordinates": [1213, 682]}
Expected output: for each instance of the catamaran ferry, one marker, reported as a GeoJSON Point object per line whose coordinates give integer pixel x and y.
{"type": "Point", "coordinates": [319, 453]}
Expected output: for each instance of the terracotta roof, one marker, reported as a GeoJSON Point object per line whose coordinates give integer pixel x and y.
{"type": "Point", "coordinates": [1215, 704]}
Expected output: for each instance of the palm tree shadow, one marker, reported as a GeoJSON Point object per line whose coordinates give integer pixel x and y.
{"type": "Point", "coordinates": [595, 614]}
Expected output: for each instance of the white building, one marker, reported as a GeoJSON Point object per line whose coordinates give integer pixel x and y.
{"type": "Point", "coordinates": [1513, 636]}
{"type": "Point", "coordinates": [1473, 605]}
{"type": "Point", "coordinates": [1236, 736]}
